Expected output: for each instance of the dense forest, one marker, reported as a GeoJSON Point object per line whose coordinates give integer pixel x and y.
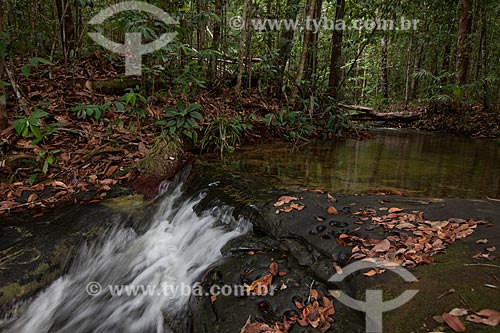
{"type": "Point", "coordinates": [235, 73]}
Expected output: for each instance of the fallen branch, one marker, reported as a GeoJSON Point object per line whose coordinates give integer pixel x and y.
{"type": "Point", "coordinates": [492, 199]}
{"type": "Point", "coordinates": [17, 91]}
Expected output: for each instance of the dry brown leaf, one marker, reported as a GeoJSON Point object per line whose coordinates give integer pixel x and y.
{"type": "Point", "coordinates": [371, 272]}
{"type": "Point", "coordinates": [382, 246]}
{"type": "Point", "coordinates": [393, 210]}
{"type": "Point", "coordinates": [453, 322]}
{"type": "Point", "coordinates": [332, 210]}
{"type": "Point", "coordinates": [213, 298]}
{"type": "Point", "coordinates": [314, 294]}
{"type": "Point", "coordinates": [458, 312]}
{"type": "Point", "coordinates": [482, 241]}
{"type": "Point", "coordinates": [273, 268]}
{"type": "Point", "coordinates": [488, 317]}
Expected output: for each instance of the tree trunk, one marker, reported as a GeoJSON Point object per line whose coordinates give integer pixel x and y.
{"type": "Point", "coordinates": [303, 54]}
{"type": "Point", "coordinates": [384, 80]}
{"type": "Point", "coordinates": [463, 43]}
{"type": "Point", "coordinates": [445, 67]}
{"type": "Point", "coordinates": [286, 41]}
{"type": "Point", "coordinates": [241, 49]}
{"type": "Point", "coordinates": [4, 121]}
{"type": "Point", "coordinates": [312, 54]}
{"type": "Point", "coordinates": [337, 36]}
{"type": "Point", "coordinates": [407, 74]}
{"type": "Point", "coordinates": [66, 27]}
{"type": "Point", "coordinates": [212, 68]}
{"type": "Point", "coordinates": [416, 67]}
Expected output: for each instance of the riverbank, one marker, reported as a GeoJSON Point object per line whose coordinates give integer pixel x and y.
{"type": "Point", "coordinates": [78, 141]}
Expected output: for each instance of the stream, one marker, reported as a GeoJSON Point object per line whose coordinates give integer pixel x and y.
{"type": "Point", "coordinates": [189, 229]}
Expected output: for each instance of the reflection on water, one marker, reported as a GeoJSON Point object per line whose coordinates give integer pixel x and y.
{"type": "Point", "coordinates": [417, 163]}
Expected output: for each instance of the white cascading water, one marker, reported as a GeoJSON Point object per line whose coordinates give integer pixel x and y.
{"type": "Point", "coordinates": [177, 248]}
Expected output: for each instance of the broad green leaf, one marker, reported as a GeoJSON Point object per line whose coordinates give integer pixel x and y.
{"type": "Point", "coordinates": [196, 115]}
{"type": "Point", "coordinates": [44, 61]}
{"type": "Point", "coordinates": [39, 114]}
{"type": "Point", "coordinates": [36, 132]}
{"type": "Point", "coordinates": [19, 125]}
{"type": "Point", "coordinates": [32, 179]}
{"type": "Point", "coordinates": [26, 70]}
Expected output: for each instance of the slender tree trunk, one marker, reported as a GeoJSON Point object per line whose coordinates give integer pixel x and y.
{"type": "Point", "coordinates": [416, 67]}
{"type": "Point", "coordinates": [303, 54]}
{"type": "Point", "coordinates": [212, 69]}
{"type": "Point", "coordinates": [4, 122]}
{"type": "Point", "coordinates": [498, 98]}
{"type": "Point", "coordinates": [337, 36]}
{"type": "Point", "coordinates": [312, 54]}
{"type": "Point", "coordinates": [286, 41]}
{"type": "Point", "coordinates": [445, 67]}
{"type": "Point", "coordinates": [66, 26]}
{"type": "Point", "coordinates": [241, 49]}
{"type": "Point", "coordinates": [463, 43]}
{"type": "Point", "coordinates": [407, 72]}
{"type": "Point", "coordinates": [384, 80]}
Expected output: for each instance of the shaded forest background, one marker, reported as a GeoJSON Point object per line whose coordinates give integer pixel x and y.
{"type": "Point", "coordinates": [452, 56]}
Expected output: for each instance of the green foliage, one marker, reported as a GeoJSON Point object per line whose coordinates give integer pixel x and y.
{"type": "Point", "coordinates": [131, 101]}
{"type": "Point", "coordinates": [92, 110]}
{"type": "Point", "coordinates": [292, 125]}
{"type": "Point", "coordinates": [44, 159]}
{"type": "Point", "coordinates": [182, 121]}
{"type": "Point", "coordinates": [30, 126]}
{"type": "Point", "coordinates": [32, 63]}
{"type": "Point", "coordinates": [223, 134]}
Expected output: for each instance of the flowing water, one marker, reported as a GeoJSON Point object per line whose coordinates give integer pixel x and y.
{"type": "Point", "coordinates": [176, 249]}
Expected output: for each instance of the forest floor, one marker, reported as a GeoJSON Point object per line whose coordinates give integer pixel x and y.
{"type": "Point", "coordinates": [81, 157]}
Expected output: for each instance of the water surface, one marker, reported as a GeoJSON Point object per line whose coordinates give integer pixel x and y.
{"type": "Point", "coordinates": [417, 163]}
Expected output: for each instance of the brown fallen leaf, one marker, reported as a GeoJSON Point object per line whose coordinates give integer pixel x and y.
{"type": "Point", "coordinates": [332, 210]}
{"type": "Point", "coordinates": [273, 268]}
{"type": "Point", "coordinates": [213, 298]}
{"type": "Point", "coordinates": [482, 241]}
{"type": "Point", "coordinates": [371, 272]}
{"type": "Point", "coordinates": [382, 246]}
{"type": "Point", "coordinates": [458, 312]}
{"type": "Point", "coordinates": [488, 317]}
{"type": "Point", "coordinates": [393, 210]}
{"type": "Point", "coordinates": [455, 323]}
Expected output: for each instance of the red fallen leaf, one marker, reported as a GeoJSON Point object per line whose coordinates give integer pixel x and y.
{"type": "Point", "coordinates": [273, 268]}
{"type": "Point", "coordinates": [299, 306]}
{"type": "Point", "coordinates": [332, 210]}
{"type": "Point", "coordinates": [213, 298]}
{"type": "Point", "coordinates": [314, 294]}
{"type": "Point", "coordinates": [453, 322]}
{"type": "Point", "coordinates": [488, 317]}
{"type": "Point", "coordinates": [394, 210]}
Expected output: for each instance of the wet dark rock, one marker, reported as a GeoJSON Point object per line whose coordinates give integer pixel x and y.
{"type": "Point", "coordinates": [339, 224]}
{"type": "Point", "coordinates": [320, 228]}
